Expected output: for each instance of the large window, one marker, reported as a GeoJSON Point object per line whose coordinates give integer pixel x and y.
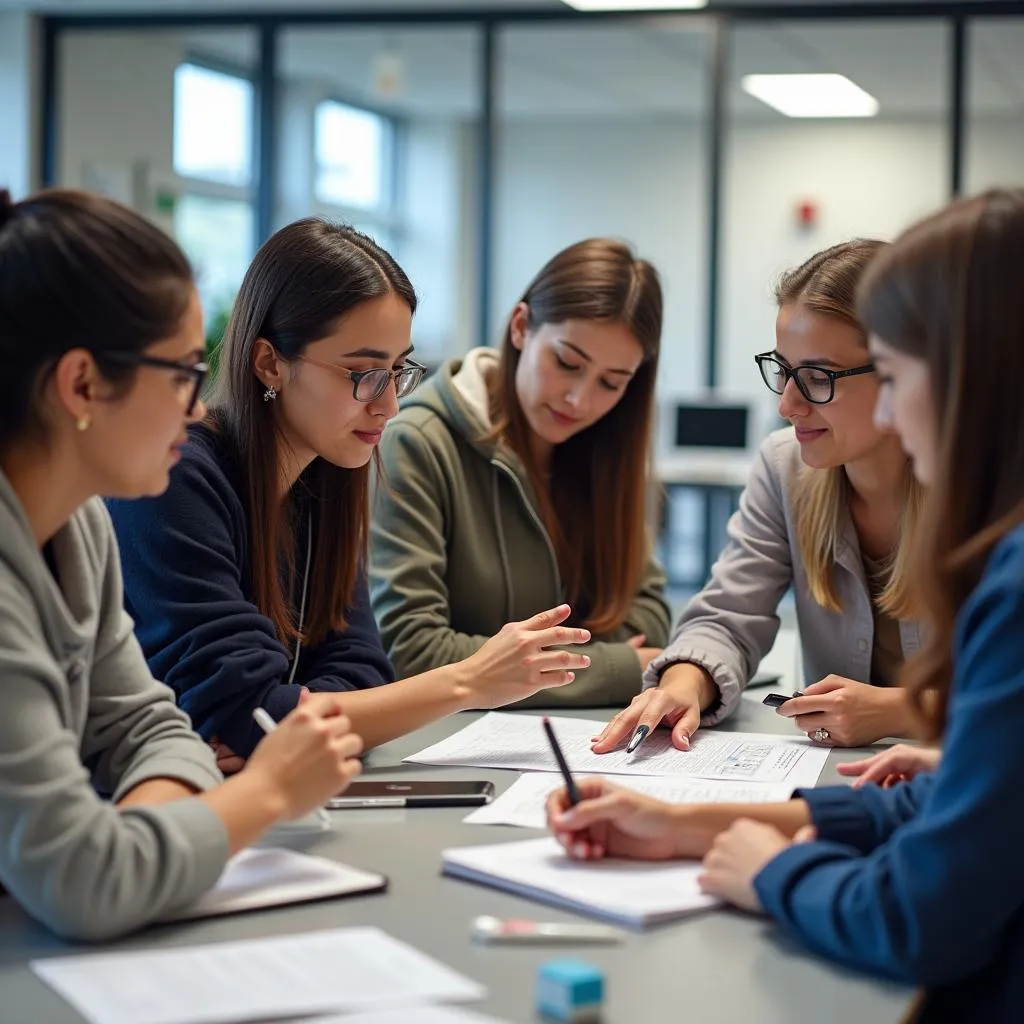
{"type": "Point", "coordinates": [213, 160]}
{"type": "Point", "coordinates": [353, 156]}
{"type": "Point", "coordinates": [213, 118]}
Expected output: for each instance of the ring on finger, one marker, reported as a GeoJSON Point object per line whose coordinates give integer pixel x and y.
{"type": "Point", "coordinates": [820, 735]}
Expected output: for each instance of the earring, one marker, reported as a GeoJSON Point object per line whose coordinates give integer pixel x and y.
{"type": "Point", "coordinates": [270, 394]}
{"type": "Point", "coordinates": [83, 423]}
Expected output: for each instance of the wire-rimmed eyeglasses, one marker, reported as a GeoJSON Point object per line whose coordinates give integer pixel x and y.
{"type": "Point", "coordinates": [369, 385]}
{"type": "Point", "coordinates": [816, 383]}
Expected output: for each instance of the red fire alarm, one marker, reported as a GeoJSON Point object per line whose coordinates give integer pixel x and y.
{"type": "Point", "coordinates": [806, 214]}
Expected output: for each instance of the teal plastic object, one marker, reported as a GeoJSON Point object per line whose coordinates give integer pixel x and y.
{"type": "Point", "coordinates": [569, 990]}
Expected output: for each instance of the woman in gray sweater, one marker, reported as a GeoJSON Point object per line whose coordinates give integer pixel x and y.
{"type": "Point", "coordinates": [112, 811]}
{"type": "Point", "coordinates": [829, 510]}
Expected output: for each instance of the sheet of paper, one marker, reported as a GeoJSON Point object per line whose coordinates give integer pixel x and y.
{"type": "Point", "coordinates": [630, 891]}
{"type": "Point", "coordinates": [522, 803]}
{"type": "Point", "coordinates": [411, 1015]}
{"type": "Point", "coordinates": [269, 877]}
{"type": "Point", "coordinates": [507, 740]}
{"type": "Point", "coordinates": [343, 969]}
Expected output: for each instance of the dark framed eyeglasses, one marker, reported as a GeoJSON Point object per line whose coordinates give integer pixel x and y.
{"type": "Point", "coordinates": [816, 383]}
{"type": "Point", "coordinates": [196, 371]}
{"type": "Point", "coordinates": [369, 385]}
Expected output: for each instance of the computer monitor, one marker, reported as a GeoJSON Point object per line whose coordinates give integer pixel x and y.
{"type": "Point", "coordinates": [711, 425]}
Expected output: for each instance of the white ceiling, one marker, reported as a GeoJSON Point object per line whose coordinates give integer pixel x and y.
{"type": "Point", "coordinates": [657, 66]}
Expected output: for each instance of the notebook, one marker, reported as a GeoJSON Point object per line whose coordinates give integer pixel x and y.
{"type": "Point", "coordinates": [630, 892]}
{"type": "Point", "coordinates": [268, 877]}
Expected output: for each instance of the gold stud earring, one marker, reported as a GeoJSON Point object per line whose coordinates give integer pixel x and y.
{"type": "Point", "coordinates": [83, 423]}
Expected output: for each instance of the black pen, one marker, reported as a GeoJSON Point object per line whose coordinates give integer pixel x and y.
{"type": "Point", "coordinates": [637, 738]}
{"type": "Point", "coordinates": [570, 782]}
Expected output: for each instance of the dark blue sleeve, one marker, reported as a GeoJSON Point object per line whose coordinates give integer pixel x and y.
{"type": "Point", "coordinates": [931, 902]}
{"type": "Point", "coordinates": [352, 659]}
{"type": "Point", "coordinates": [864, 818]}
{"type": "Point", "coordinates": [183, 555]}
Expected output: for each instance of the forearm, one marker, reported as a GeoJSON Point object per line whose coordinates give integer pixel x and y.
{"type": "Point", "coordinates": [699, 824]}
{"type": "Point", "coordinates": [385, 712]}
{"type": "Point", "coordinates": [156, 791]}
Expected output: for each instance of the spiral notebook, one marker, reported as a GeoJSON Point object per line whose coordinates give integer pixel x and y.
{"type": "Point", "coordinates": [630, 892]}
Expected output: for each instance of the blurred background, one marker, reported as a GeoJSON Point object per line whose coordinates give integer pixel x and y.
{"type": "Point", "coordinates": [474, 140]}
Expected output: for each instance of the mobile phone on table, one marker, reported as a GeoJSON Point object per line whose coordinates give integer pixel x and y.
{"type": "Point", "coordinates": [776, 700]}
{"type": "Point", "coordinates": [366, 793]}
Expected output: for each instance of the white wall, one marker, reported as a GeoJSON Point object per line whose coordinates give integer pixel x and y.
{"type": "Point", "coordinates": [19, 65]}
{"type": "Point", "coordinates": [641, 180]}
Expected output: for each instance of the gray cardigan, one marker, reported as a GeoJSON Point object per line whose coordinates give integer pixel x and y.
{"type": "Point", "coordinates": [83, 721]}
{"type": "Point", "coordinates": [731, 624]}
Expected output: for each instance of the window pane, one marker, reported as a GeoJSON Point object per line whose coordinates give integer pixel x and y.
{"type": "Point", "coordinates": [212, 125]}
{"type": "Point", "coordinates": [995, 132]}
{"type": "Point", "coordinates": [217, 235]}
{"type": "Point", "coordinates": [351, 153]}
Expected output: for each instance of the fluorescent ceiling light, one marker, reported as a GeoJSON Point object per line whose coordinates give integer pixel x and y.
{"type": "Point", "coordinates": [635, 5]}
{"type": "Point", "coordinates": [811, 95]}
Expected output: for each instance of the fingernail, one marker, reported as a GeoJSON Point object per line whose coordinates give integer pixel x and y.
{"type": "Point", "coordinates": [566, 818]}
{"type": "Point", "coordinates": [580, 851]}
{"type": "Point", "coordinates": [586, 661]}
{"type": "Point", "coordinates": [584, 635]}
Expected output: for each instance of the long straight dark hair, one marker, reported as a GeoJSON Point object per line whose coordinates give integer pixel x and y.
{"type": "Point", "coordinates": [948, 292]}
{"type": "Point", "coordinates": [303, 280]}
{"type": "Point", "coordinates": [595, 509]}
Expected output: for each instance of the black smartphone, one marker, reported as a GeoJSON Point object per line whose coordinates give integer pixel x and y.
{"type": "Point", "coordinates": [776, 700]}
{"type": "Point", "coordinates": [366, 793]}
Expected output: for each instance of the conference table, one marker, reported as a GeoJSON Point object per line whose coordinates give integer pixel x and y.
{"type": "Point", "coordinates": [717, 967]}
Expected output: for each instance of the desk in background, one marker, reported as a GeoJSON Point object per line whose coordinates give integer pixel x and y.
{"type": "Point", "coordinates": [722, 967]}
{"type": "Point", "coordinates": [691, 535]}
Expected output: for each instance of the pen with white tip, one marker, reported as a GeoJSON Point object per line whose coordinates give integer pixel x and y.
{"type": "Point", "coordinates": [268, 725]}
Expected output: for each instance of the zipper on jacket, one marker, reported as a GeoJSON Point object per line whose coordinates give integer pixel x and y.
{"type": "Point", "coordinates": [536, 519]}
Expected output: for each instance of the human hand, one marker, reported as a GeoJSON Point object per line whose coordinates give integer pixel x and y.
{"type": "Point", "coordinates": [737, 856]}
{"type": "Point", "coordinates": [227, 760]}
{"type": "Point", "coordinates": [613, 822]}
{"type": "Point", "coordinates": [685, 689]}
{"type": "Point", "coordinates": [898, 763]}
{"type": "Point", "coordinates": [517, 662]}
{"type": "Point", "coordinates": [854, 714]}
{"type": "Point", "coordinates": [311, 756]}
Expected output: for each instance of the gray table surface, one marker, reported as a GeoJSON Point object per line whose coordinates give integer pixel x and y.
{"type": "Point", "coordinates": [720, 967]}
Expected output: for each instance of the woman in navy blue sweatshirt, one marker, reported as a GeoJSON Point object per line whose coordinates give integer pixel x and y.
{"type": "Point", "coordinates": [246, 577]}
{"type": "Point", "coordinates": [921, 882]}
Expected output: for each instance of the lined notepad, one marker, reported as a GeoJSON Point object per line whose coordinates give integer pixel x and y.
{"type": "Point", "coordinates": [630, 892]}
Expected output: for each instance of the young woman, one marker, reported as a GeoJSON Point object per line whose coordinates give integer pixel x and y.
{"type": "Point", "coordinates": [246, 576]}
{"type": "Point", "coordinates": [829, 509]}
{"type": "Point", "coordinates": [111, 809]}
{"type": "Point", "coordinates": [920, 882]}
{"type": "Point", "coordinates": [518, 479]}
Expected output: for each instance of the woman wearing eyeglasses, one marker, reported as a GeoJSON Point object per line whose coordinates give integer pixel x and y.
{"type": "Point", "coordinates": [829, 509]}
{"type": "Point", "coordinates": [518, 478]}
{"type": "Point", "coordinates": [246, 578]}
{"type": "Point", "coordinates": [112, 811]}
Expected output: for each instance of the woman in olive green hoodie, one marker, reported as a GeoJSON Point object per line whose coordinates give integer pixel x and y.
{"type": "Point", "coordinates": [517, 479]}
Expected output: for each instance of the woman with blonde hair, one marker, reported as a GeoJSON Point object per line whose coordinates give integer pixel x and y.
{"type": "Point", "coordinates": [517, 479]}
{"type": "Point", "coordinates": [828, 510]}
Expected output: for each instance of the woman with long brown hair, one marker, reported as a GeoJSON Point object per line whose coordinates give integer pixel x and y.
{"type": "Point", "coordinates": [517, 479]}
{"type": "Point", "coordinates": [920, 882]}
{"type": "Point", "coordinates": [829, 510]}
{"type": "Point", "coordinates": [246, 578]}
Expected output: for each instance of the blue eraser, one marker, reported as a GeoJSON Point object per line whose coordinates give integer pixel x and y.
{"type": "Point", "coordinates": [570, 990]}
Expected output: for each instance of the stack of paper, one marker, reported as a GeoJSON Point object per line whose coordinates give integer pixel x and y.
{"type": "Point", "coordinates": [508, 740]}
{"type": "Point", "coordinates": [632, 892]}
{"type": "Point", "coordinates": [344, 969]}
{"type": "Point", "coordinates": [522, 803]}
{"type": "Point", "coordinates": [418, 1015]}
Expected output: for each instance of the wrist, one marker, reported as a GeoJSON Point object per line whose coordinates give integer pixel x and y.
{"type": "Point", "coordinates": [687, 680]}
{"type": "Point", "coordinates": [259, 789]}
{"type": "Point", "coordinates": [460, 676]}
{"type": "Point", "coordinates": [691, 834]}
